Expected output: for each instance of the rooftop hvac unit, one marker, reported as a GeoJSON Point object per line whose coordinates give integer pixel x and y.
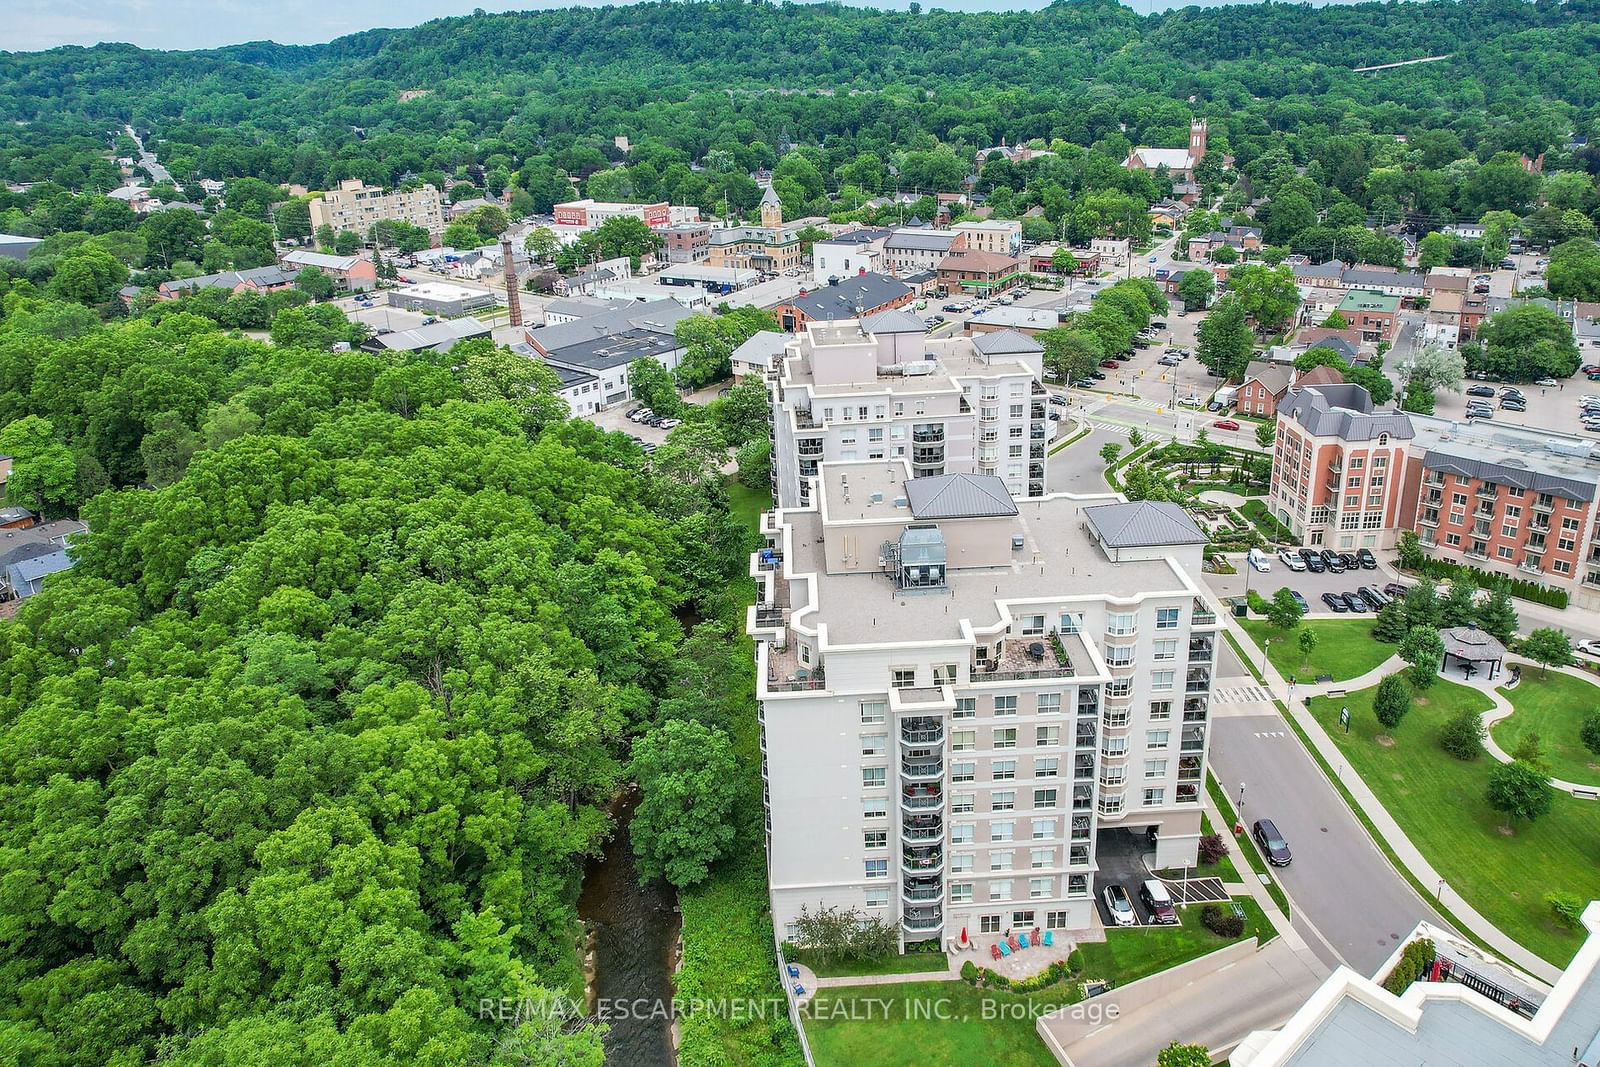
{"type": "Point", "coordinates": [921, 366]}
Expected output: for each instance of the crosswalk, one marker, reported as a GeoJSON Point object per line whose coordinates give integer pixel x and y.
{"type": "Point", "coordinates": [1240, 694]}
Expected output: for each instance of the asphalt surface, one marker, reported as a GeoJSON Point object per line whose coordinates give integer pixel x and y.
{"type": "Point", "coordinates": [1339, 881]}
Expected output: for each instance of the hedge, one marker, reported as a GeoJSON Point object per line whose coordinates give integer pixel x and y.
{"type": "Point", "coordinates": [1413, 963]}
{"type": "Point", "coordinates": [1438, 569]}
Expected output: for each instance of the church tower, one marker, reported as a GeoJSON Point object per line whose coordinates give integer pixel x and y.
{"type": "Point", "coordinates": [771, 209]}
{"type": "Point", "coordinates": [1197, 141]}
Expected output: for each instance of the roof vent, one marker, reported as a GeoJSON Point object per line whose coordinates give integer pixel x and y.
{"type": "Point", "coordinates": [1016, 542]}
{"type": "Point", "coordinates": [901, 502]}
{"type": "Point", "coordinates": [876, 498]}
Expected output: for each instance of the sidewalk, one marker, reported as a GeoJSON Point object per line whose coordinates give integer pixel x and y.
{"type": "Point", "coordinates": [1410, 856]}
{"type": "Point", "coordinates": [1503, 709]}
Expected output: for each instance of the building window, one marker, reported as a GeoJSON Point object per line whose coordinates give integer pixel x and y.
{"type": "Point", "coordinates": [1165, 650]}
{"type": "Point", "coordinates": [875, 839]}
{"type": "Point", "coordinates": [1056, 920]}
{"type": "Point", "coordinates": [1001, 831]}
{"type": "Point", "coordinates": [1049, 703]}
{"type": "Point", "coordinates": [963, 772]}
{"type": "Point", "coordinates": [1121, 624]}
{"type": "Point", "coordinates": [1070, 623]}
{"type": "Point", "coordinates": [1160, 710]}
{"type": "Point", "coordinates": [873, 777]}
{"type": "Point", "coordinates": [1006, 738]}
{"type": "Point", "coordinates": [1041, 887]}
{"type": "Point", "coordinates": [963, 740]}
{"type": "Point", "coordinates": [1119, 687]}
{"type": "Point", "coordinates": [963, 833]}
{"type": "Point", "coordinates": [1000, 860]}
{"type": "Point", "coordinates": [1044, 798]}
{"type": "Point", "coordinates": [1000, 890]}
{"type": "Point", "coordinates": [903, 677]}
{"type": "Point", "coordinates": [1005, 705]}
{"type": "Point", "coordinates": [989, 924]}
{"type": "Point", "coordinates": [1156, 739]}
{"type": "Point", "coordinates": [1032, 625]}
{"type": "Point", "coordinates": [966, 708]}
{"type": "Point", "coordinates": [877, 868]}
{"type": "Point", "coordinates": [1161, 680]}
{"type": "Point", "coordinates": [1044, 829]}
{"type": "Point", "coordinates": [874, 711]}
{"type": "Point", "coordinates": [944, 674]}
{"type": "Point", "coordinates": [961, 892]}
{"type": "Point", "coordinates": [1154, 797]}
{"type": "Point", "coordinates": [1155, 768]}
{"type": "Point", "coordinates": [1046, 736]}
{"type": "Point", "coordinates": [1046, 767]}
{"type": "Point", "coordinates": [960, 862]}
{"type": "Point", "coordinates": [1005, 770]}
{"type": "Point", "coordinates": [874, 744]}
{"type": "Point", "coordinates": [1003, 800]}
{"type": "Point", "coordinates": [963, 803]}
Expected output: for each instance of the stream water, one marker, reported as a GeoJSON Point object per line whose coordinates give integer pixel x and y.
{"type": "Point", "coordinates": [636, 933]}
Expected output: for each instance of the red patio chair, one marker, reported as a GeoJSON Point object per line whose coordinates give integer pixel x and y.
{"type": "Point", "coordinates": [1035, 937]}
{"type": "Point", "coordinates": [994, 950]}
{"type": "Point", "coordinates": [1012, 941]}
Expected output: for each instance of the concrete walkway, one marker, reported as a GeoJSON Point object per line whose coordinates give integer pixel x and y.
{"type": "Point", "coordinates": [1409, 855]}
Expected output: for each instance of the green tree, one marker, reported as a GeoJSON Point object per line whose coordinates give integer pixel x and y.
{"type": "Point", "coordinates": [1391, 624]}
{"type": "Point", "coordinates": [1462, 735]}
{"type": "Point", "coordinates": [1308, 643]}
{"type": "Point", "coordinates": [1409, 551]}
{"type": "Point", "coordinates": [1549, 647]}
{"type": "Point", "coordinates": [1283, 611]}
{"type": "Point", "coordinates": [755, 463]}
{"type": "Point", "coordinates": [1265, 433]}
{"type": "Point", "coordinates": [542, 243]}
{"type": "Point", "coordinates": [1335, 321]}
{"type": "Point", "coordinates": [653, 386]}
{"type": "Point", "coordinates": [1062, 261]}
{"type": "Point", "coordinates": [1391, 702]}
{"type": "Point", "coordinates": [1110, 451]}
{"type": "Point", "coordinates": [1195, 288]}
{"type": "Point", "coordinates": [43, 470]}
{"type": "Point", "coordinates": [1224, 342]}
{"type": "Point", "coordinates": [1070, 354]}
{"type": "Point", "coordinates": [1497, 615]}
{"type": "Point", "coordinates": [1460, 605]}
{"type": "Point", "coordinates": [1590, 732]}
{"type": "Point", "coordinates": [1434, 250]}
{"type": "Point", "coordinates": [1424, 650]}
{"type": "Point", "coordinates": [1519, 791]}
{"type": "Point", "coordinates": [1267, 294]}
{"type": "Point", "coordinates": [314, 282]}
{"type": "Point", "coordinates": [688, 783]}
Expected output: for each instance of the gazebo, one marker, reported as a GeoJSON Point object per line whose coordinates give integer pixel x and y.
{"type": "Point", "coordinates": [1471, 646]}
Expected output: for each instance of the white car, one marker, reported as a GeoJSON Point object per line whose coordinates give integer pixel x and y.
{"type": "Point", "coordinates": [1259, 560]}
{"type": "Point", "coordinates": [1292, 560]}
{"type": "Point", "coordinates": [1545, 381]}
{"type": "Point", "coordinates": [1120, 907]}
{"type": "Point", "coordinates": [1190, 401]}
{"type": "Point", "coordinates": [1588, 648]}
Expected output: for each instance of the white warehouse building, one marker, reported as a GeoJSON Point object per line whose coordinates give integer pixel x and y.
{"type": "Point", "coordinates": [961, 692]}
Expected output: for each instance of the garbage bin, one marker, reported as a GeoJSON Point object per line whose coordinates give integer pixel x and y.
{"type": "Point", "coordinates": [1240, 609]}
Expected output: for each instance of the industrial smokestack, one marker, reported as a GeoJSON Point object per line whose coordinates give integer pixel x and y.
{"type": "Point", "coordinates": [513, 300]}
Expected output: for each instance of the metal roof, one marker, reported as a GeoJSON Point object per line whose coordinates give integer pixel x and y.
{"type": "Point", "coordinates": [1004, 343]}
{"type": "Point", "coordinates": [1143, 524]}
{"type": "Point", "coordinates": [959, 496]}
{"type": "Point", "coordinates": [1344, 411]}
{"type": "Point", "coordinates": [851, 298]}
{"type": "Point", "coordinates": [893, 321]}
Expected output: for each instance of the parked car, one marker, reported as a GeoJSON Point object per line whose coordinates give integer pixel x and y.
{"type": "Point", "coordinates": [1258, 560]}
{"type": "Point", "coordinates": [1110, 364]}
{"type": "Point", "coordinates": [1394, 591]}
{"type": "Point", "coordinates": [1511, 403]}
{"type": "Point", "coordinates": [1368, 561]}
{"type": "Point", "coordinates": [1480, 390]}
{"type": "Point", "coordinates": [1351, 563]}
{"type": "Point", "coordinates": [1058, 399]}
{"type": "Point", "coordinates": [1300, 600]}
{"type": "Point", "coordinates": [1354, 602]}
{"type": "Point", "coordinates": [1313, 560]}
{"type": "Point", "coordinates": [1480, 413]}
{"type": "Point", "coordinates": [1083, 383]}
{"type": "Point", "coordinates": [1292, 560]}
{"type": "Point", "coordinates": [1118, 904]}
{"type": "Point", "coordinates": [1098, 375]}
{"type": "Point", "coordinates": [649, 448]}
{"type": "Point", "coordinates": [1333, 561]}
{"type": "Point", "coordinates": [1169, 361]}
{"type": "Point", "coordinates": [1510, 390]}
{"type": "Point", "coordinates": [1224, 424]}
{"type": "Point", "coordinates": [1273, 846]}
{"type": "Point", "coordinates": [1335, 602]}
{"type": "Point", "coordinates": [667, 424]}
{"type": "Point", "coordinates": [1588, 648]}
{"type": "Point", "coordinates": [1158, 902]}
{"type": "Point", "coordinates": [1373, 596]}
{"type": "Point", "coordinates": [1215, 405]}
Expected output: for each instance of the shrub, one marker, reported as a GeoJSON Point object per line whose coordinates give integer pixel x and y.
{"type": "Point", "coordinates": [1590, 732]}
{"type": "Point", "coordinates": [1462, 736]}
{"type": "Point", "coordinates": [1517, 587]}
{"type": "Point", "coordinates": [1213, 848]}
{"type": "Point", "coordinates": [1176, 1055]}
{"type": "Point", "coordinates": [1567, 908]}
{"type": "Point", "coordinates": [1392, 701]}
{"type": "Point", "coordinates": [1257, 602]}
{"type": "Point", "coordinates": [1221, 921]}
{"type": "Point", "coordinates": [1413, 963]}
{"type": "Point", "coordinates": [969, 972]}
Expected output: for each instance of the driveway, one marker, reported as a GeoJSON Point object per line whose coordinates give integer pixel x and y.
{"type": "Point", "coordinates": [1078, 468]}
{"type": "Point", "coordinates": [1119, 859]}
{"type": "Point", "coordinates": [1339, 881]}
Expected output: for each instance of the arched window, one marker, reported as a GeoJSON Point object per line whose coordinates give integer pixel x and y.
{"type": "Point", "coordinates": [1383, 439]}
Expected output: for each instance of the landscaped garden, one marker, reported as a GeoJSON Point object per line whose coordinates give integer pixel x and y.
{"type": "Point", "coordinates": [919, 1023]}
{"type": "Point", "coordinates": [1553, 706]}
{"type": "Point", "coordinates": [891, 963]}
{"type": "Point", "coordinates": [1440, 802]}
{"type": "Point", "coordinates": [1344, 648]}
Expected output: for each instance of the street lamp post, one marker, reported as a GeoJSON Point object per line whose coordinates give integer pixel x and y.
{"type": "Point", "coordinates": [1241, 808]}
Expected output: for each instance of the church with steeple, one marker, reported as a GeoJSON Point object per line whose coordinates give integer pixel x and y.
{"type": "Point", "coordinates": [1180, 162]}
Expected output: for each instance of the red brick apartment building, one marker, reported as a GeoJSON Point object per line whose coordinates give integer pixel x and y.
{"type": "Point", "coordinates": [1510, 500]}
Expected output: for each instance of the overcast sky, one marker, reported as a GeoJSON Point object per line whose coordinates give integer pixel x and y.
{"type": "Point", "coordinates": [31, 25]}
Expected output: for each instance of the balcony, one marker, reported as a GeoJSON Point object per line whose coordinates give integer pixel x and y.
{"type": "Point", "coordinates": [1190, 769]}
{"type": "Point", "coordinates": [1112, 804]}
{"type": "Point", "coordinates": [771, 616]}
{"type": "Point", "coordinates": [1083, 768]}
{"type": "Point", "coordinates": [1188, 793]}
{"type": "Point", "coordinates": [1115, 719]}
{"type": "Point", "coordinates": [1088, 703]}
{"type": "Point", "coordinates": [1085, 737]}
{"type": "Point", "coordinates": [921, 799]}
{"type": "Point", "coordinates": [804, 420]}
{"type": "Point", "coordinates": [1036, 412]}
{"type": "Point", "coordinates": [1199, 681]}
{"type": "Point", "coordinates": [922, 861]}
{"type": "Point", "coordinates": [1201, 649]}
{"type": "Point", "coordinates": [1082, 797]}
{"type": "Point", "coordinates": [1082, 827]}
{"type": "Point", "coordinates": [918, 891]}
{"type": "Point", "coordinates": [921, 731]}
{"type": "Point", "coordinates": [921, 767]}
{"type": "Point", "coordinates": [1027, 657]}
{"type": "Point", "coordinates": [922, 829]}
{"type": "Point", "coordinates": [922, 921]}
{"type": "Point", "coordinates": [786, 675]}
{"type": "Point", "coordinates": [928, 437]}
{"type": "Point", "coordinates": [1203, 615]}
{"type": "Point", "coordinates": [1545, 503]}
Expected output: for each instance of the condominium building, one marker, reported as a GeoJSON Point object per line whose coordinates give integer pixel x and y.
{"type": "Point", "coordinates": [355, 206]}
{"type": "Point", "coordinates": [1000, 237]}
{"type": "Point", "coordinates": [964, 694]}
{"type": "Point", "coordinates": [879, 388]}
{"type": "Point", "coordinates": [1508, 499]}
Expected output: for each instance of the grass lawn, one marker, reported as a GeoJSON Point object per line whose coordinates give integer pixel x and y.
{"type": "Point", "coordinates": [1554, 707]}
{"type": "Point", "coordinates": [747, 504]}
{"type": "Point", "coordinates": [1246, 844]}
{"type": "Point", "coordinates": [908, 963]}
{"type": "Point", "coordinates": [1255, 511]}
{"type": "Point", "coordinates": [919, 1024]}
{"type": "Point", "coordinates": [1345, 648]}
{"type": "Point", "coordinates": [1223, 868]}
{"type": "Point", "coordinates": [1439, 802]}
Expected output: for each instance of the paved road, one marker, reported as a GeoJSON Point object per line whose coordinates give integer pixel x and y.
{"type": "Point", "coordinates": [158, 173]}
{"type": "Point", "coordinates": [1339, 881]}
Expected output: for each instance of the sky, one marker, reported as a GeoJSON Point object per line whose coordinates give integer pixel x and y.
{"type": "Point", "coordinates": [33, 25]}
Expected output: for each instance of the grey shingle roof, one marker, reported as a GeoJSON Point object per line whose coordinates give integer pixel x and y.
{"type": "Point", "coordinates": [658, 315]}
{"type": "Point", "coordinates": [920, 241]}
{"type": "Point", "coordinates": [1507, 474]}
{"type": "Point", "coordinates": [1344, 411]}
{"type": "Point", "coordinates": [893, 321]}
{"type": "Point", "coordinates": [852, 297]}
{"type": "Point", "coordinates": [959, 496]}
{"type": "Point", "coordinates": [1005, 343]}
{"type": "Point", "coordinates": [1143, 524]}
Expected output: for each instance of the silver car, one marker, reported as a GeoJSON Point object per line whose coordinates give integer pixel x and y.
{"type": "Point", "coordinates": [1120, 907]}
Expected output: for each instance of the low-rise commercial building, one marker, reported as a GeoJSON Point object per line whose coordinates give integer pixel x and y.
{"type": "Point", "coordinates": [439, 336]}
{"type": "Point", "coordinates": [1000, 237]}
{"type": "Point", "coordinates": [1375, 314]}
{"type": "Point", "coordinates": [913, 249]}
{"type": "Point", "coordinates": [441, 298]}
{"type": "Point", "coordinates": [350, 273]}
{"type": "Point", "coordinates": [254, 280]}
{"type": "Point", "coordinates": [857, 296]}
{"type": "Point", "coordinates": [605, 344]}
{"type": "Point", "coordinates": [978, 273]}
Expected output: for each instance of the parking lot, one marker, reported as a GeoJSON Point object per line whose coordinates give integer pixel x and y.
{"type": "Point", "coordinates": [1120, 854]}
{"type": "Point", "coordinates": [1551, 407]}
{"type": "Point", "coordinates": [1311, 586]}
{"type": "Point", "coordinates": [616, 418]}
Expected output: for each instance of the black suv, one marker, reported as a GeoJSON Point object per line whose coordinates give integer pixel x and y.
{"type": "Point", "coordinates": [1273, 846]}
{"type": "Point", "coordinates": [1333, 561]}
{"type": "Point", "coordinates": [1313, 560]}
{"type": "Point", "coordinates": [1368, 561]}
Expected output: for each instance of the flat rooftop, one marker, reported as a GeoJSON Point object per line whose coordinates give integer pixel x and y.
{"type": "Point", "coordinates": [440, 291]}
{"type": "Point", "coordinates": [1058, 559]}
{"type": "Point", "coordinates": [956, 357]}
{"type": "Point", "coordinates": [1511, 454]}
